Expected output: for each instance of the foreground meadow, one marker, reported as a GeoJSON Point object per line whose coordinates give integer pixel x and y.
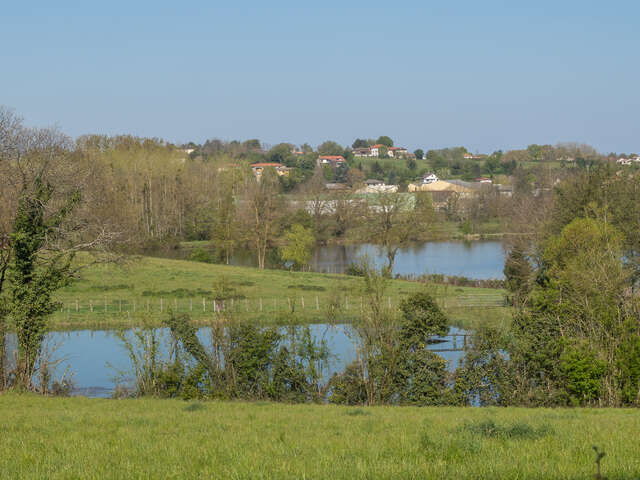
{"type": "Point", "coordinates": [60, 438]}
{"type": "Point", "coordinates": [143, 289]}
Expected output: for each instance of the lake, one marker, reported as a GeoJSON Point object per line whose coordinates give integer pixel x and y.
{"type": "Point", "coordinates": [480, 260]}
{"type": "Point", "coordinates": [95, 356]}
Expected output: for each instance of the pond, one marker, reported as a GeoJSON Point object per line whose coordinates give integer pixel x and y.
{"type": "Point", "coordinates": [479, 260]}
{"type": "Point", "coordinates": [95, 357]}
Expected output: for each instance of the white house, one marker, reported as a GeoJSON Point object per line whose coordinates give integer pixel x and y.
{"type": "Point", "coordinates": [623, 161]}
{"type": "Point", "coordinates": [429, 178]}
{"type": "Point", "coordinates": [375, 149]}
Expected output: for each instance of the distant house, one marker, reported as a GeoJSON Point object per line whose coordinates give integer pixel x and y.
{"type": "Point", "coordinates": [484, 180]}
{"type": "Point", "coordinates": [333, 160]}
{"type": "Point", "coordinates": [635, 159]}
{"type": "Point", "coordinates": [258, 169]}
{"type": "Point", "coordinates": [375, 149]}
{"type": "Point", "coordinates": [362, 152]}
{"type": "Point", "coordinates": [397, 152]}
{"type": "Point", "coordinates": [429, 178]}
{"type": "Point", "coordinates": [623, 161]}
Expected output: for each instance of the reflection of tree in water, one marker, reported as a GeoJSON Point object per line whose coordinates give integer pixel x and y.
{"type": "Point", "coordinates": [333, 258]}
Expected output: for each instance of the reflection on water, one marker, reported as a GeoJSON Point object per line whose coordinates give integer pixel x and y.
{"type": "Point", "coordinates": [96, 356]}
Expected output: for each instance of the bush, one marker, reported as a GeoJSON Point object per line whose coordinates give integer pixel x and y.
{"type": "Point", "coordinates": [201, 255]}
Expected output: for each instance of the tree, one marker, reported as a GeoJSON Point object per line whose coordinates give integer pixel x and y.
{"type": "Point", "coordinates": [226, 232]}
{"type": "Point", "coordinates": [394, 220]}
{"type": "Point", "coordinates": [385, 140]}
{"type": "Point", "coordinates": [383, 152]}
{"type": "Point", "coordinates": [330, 148]}
{"type": "Point", "coordinates": [299, 245]}
{"type": "Point", "coordinates": [518, 274]}
{"type": "Point", "coordinates": [262, 212]}
{"type": "Point", "coordinates": [44, 220]}
{"type": "Point", "coordinates": [252, 144]}
{"type": "Point", "coordinates": [360, 143]}
{"type": "Point", "coordinates": [419, 153]}
{"type": "Point", "coordinates": [411, 164]}
{"type": "Point", "coordinates": [282, 153]}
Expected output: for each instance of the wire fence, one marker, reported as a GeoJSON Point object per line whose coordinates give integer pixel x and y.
{"type": "Point", "coordinates": [204, 305]}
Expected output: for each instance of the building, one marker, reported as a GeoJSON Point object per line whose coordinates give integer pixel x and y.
{"type": "Point", "coordinates": [333, 160]}
{"type": "Point", "coordinates": [484, 180]}
{"type": "Point", "coordinates": [623, 161]}
{"type": "Point", "coordinates": [429, 178]}
{"type": "Point", "coordinates": [362, 152]}
{"type": "Point", "coordinates": [397, 152]}
{"type": "Point", "coordinates": [258, 169]}
{"type": "Point", "coordinates": [375, 149]}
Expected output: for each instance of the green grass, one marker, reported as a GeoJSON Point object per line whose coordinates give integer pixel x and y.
{"type": "Point", "coordinates": [138, 290]}
{"type": "Point", "coordinates": [65, 438]}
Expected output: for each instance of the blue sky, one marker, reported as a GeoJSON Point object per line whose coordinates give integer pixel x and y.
{"type": "Point", "coordinates": [484, 74]}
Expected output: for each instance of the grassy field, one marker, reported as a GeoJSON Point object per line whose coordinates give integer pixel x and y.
{"type": "Point", "coordinates": [64, 438]}
{"type": "Point", "coordinates": [145, 288]}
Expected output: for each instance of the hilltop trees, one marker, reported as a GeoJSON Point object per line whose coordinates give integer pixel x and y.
{"type": "Point", "coordinates": [385, 140]}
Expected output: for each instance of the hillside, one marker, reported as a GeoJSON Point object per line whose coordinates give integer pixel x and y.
{"type": "Point", "coordinates": [143, 289]}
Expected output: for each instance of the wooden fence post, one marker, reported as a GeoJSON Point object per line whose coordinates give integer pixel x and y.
{"type": "Point", "coordinates": [204, 305]}
{"type": "Point", "coordinates": [260, 303]}
{"type": "Point", "coordinates": [302, 301]}
{"type": "Point", "coordinates": [191, 304]}
{"type": "Point", "coordinates": [161, 304]}
{"type": "Point", "coordinates": [317, 303]}
{"type": "Point", "coordinates": [77, 306]}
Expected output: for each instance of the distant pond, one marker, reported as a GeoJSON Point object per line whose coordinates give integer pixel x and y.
{"type": "Point", "coordinates": [478, 259]}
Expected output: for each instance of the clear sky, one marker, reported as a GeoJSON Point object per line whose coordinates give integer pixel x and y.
{"type": "Point", "coordinates": [484, 74]}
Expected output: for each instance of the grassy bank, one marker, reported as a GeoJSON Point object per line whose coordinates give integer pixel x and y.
{"type": "Point", "coordinates": [145, 288]}
{"type": "Point", "coordinates": [59, 438]}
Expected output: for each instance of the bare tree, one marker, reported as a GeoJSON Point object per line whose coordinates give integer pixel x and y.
{"type": "Point", "coordinates": [262, 210]}
{"type": "Point", "coordinates": [394, 220]}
